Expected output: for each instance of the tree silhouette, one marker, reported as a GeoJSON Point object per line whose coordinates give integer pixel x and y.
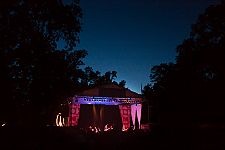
{"type": "Point", "coordinates": [122, 83]}
{"type": "Point", "coordinates": [191, 91]}
{"type": "Point", "coordinates": [203, 55]}
{"type": "Point", "coordinates": [90, 77]}
{"type": "Point", "coordinates": [35, 75]}
{"type": "Point", "coordinates": [107, 78]}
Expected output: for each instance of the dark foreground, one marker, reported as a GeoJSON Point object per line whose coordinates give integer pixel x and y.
{"type": "Point", "coordinates": [53, 138]}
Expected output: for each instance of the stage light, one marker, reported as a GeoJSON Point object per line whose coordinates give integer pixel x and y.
{"type": "Point", "coordinates": [59, 122]}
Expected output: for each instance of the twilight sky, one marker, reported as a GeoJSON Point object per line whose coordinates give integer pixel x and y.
{"type": "Point", "coordinates": [131, 36]}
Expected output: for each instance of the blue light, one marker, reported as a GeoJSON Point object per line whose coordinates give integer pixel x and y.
{"type": "Point", "coordinates": [105, 100]}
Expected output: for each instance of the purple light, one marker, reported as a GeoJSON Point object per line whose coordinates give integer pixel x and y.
{"type": "Point", "coordinates": [105, 100]}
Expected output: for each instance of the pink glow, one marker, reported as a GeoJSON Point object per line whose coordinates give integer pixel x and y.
{"type": "Point", "coordinates": [133, 114]}
{"type": "Point", "coordinates": [136, 109]}
{"type": "Point", "coordinates": [125, 115]}
{"type": "Point", "coordinates": [139, 106]}
{"type": "Point", "coordinates": [74, 114]}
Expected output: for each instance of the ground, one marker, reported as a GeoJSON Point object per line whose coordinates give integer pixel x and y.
{"type": "Point", "coordinates": [52, 138]}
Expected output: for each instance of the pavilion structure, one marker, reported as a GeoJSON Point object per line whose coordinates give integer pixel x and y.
{"type": "Point", "coordinates": [128, 102]}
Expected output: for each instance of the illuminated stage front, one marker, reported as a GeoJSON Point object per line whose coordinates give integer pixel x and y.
{"type": "Point", "coordinates": [105, 100]}
{"type": "Point", "coordinates": [99, 99]}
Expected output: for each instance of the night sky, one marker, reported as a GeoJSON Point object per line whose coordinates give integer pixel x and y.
{"type": "Point", "coordinates": [131, 36]}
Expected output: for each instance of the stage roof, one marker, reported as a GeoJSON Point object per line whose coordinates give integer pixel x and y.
{"type": "Point", "coordinates": [110, 90]}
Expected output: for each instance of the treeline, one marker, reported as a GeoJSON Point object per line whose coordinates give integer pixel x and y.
{"type": "Point", "coordinates": [36, 75]}
{"type": "Point", "coordinates": [191, 91]}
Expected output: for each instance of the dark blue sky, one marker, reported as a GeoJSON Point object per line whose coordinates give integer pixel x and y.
{"type": "Point", "coordinates": [131, 36]}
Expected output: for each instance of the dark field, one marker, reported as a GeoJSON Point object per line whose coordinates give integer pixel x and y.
{"type": "Point", "coordinates": [52, 138]}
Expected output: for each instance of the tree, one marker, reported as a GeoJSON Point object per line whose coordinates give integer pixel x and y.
{"type": "Point", "coordinates": [122, 83]}
{"type": "Point", "coordinates": [191, 90]}
{"type": "Point", "coordinates": [90, 77]}
{"type": "Point", "coordinates": [36, 74]}
{"type": "Point", "coordinates": [107, 78]}
{"type": "Point", "coordinates": [202, 57]}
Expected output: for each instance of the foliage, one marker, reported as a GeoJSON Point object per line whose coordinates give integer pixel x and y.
{"type": "Point", "coordinates": [35, 76]}
{"type": "Point", "coordinates": [122, 83]}
{"type": "Point", "coordinates": [91, 78]}
{"type": "Point", "coordinates": [191, 91]}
